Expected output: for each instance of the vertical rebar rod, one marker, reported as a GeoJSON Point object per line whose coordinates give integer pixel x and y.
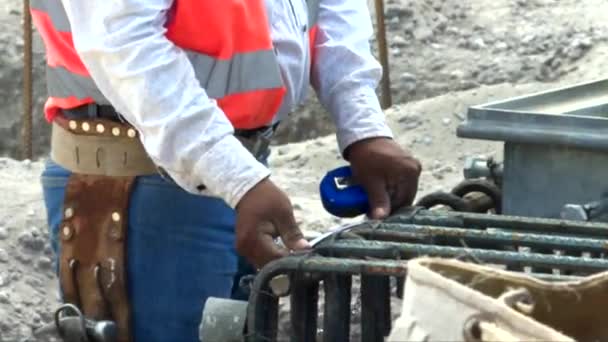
{"type": "Point", "coordinates": [336, 318]}
{"type": "Point", "coordinates": [26, 134]}
{"type": "Point", "coordinates": [304, 309]}
{"type": "Point", "coordinates": [375, 308]}
{"type": "Point", "coordinates": [386, 100]}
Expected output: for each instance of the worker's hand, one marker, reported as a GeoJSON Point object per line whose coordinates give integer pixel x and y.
{"type": "Point", "coordinates": [388, 173]}
{"type": "Point", "coordinates": [264, 213]}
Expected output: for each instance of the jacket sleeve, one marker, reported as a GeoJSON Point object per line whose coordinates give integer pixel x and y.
{"type": "Point", "coordinates": [344, 72]}
{"type": "Point", "coordinates": [152, 83]}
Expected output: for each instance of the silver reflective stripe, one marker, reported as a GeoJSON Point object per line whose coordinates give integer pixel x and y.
{"type": "Point", "coordinates": [313, 12]}
{"type": "Point", "coordinates": [62, 83]}
{"type": "Point", "coordinates": [243, 72]}
{"type": "Point", "coordinates": [219, 78]}
{"type": "Point", "coordinates": [55, 10]}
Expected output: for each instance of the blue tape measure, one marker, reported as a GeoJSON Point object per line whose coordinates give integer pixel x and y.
{"type": "Point", "coordinates": [340, 196]}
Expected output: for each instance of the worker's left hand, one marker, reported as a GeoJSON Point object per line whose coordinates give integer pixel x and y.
{"type": "Point", "coordinates": [388, 173]}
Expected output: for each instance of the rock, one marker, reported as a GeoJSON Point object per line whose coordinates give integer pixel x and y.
{"type": "Point", "coordinates": [422, 33]}
{"type": "Point", "coordinates": [476, 43]}
{"type": "Point", "coordinates": [3, 256]}
{"type": "Point", "coordinates": [427, 140]}
{"type": "Point", "coordinates": [408, 82]}
{"type": "Point", "coordinates": [407, 77]}
{"type": "Point", "coordinates": [4, 297]}
{"type": "Point", "coordinates": [398, 41]}
{"type": "Point", "coordinates": [397, 11]}
{"type": "Point", "coordinates": [446, 121]}
{"type": "Point", "coordinates": [500, 46]}
{"type": "Point", "coordinates": [4, 279]}
{"type": "Point", "coordinates": [44, 263]}
{"type": "Point", "coordinates": [33, 282]}
{"type": "Point", "coordinates": [16, 275]}
{"type": "Point", "coordinates": [30, 241]}
{"type": "Point", "coordinates": [452, 31]}
{"type": "Point", "coordinates": [457, 74]}
{"type": "Point", "coordinates": [3, 233]}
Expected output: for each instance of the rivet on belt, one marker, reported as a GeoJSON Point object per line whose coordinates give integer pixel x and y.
{"type": "Point", "coordinates": [69, 212]}
{"type": "Point", "coordinates": [116, 131]}
{"type": "Point", "coordinates": [86, 126]}
{"type": "Point", "coordinates": [73, 125]}
{"type": "Point", "coordinates": [100, 128]}
{"type": "Point", "coordinates": [131, 133]}
{"type": "Point", "coordinates": [115, 216]}
{"type": "Point", "coordinates": [67, 232]}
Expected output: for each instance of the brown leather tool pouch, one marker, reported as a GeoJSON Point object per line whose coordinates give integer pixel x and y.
{"type": "Point", "coordinates": [93, 247]}
{"type": "Point", "coordinates": [105, 157]}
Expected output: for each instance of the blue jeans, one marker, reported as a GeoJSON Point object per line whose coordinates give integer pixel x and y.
{"type": "Point", "coordinates": [180, 250]}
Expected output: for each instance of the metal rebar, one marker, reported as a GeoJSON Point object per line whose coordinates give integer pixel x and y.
{"type": "Point", "coordinates": [383, 52]}
{"type": "Point", "coordinates": [26, 133]}
{"type": "Point", "coordinates": [387, 250]}
{"type": "Point", "coordinates": [375, 300]}
{"type": "Point", "coordinates": [304, 299]}
{"type": "Point", "coordinates": [483, 221]}
{"type": "Point", "coordinates": [496, 239]}
{"type": "Point", "coordinates": [336, 318]}
{"type": "Point", "coordinates": [262, 309]}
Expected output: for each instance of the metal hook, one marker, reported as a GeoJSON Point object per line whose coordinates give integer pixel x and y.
{"type": "Point", "coordinates": [78, 313]}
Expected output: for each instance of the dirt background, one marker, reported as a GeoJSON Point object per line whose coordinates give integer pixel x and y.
{"type": "Point", "coordinates": [444, 56]}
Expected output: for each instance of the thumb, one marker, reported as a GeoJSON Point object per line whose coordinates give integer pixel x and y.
{"type": "Point", "coordinates": [379, 200]}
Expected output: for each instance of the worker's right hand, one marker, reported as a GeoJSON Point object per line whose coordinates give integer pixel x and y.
{"type": "Point", "coordinates": [263, 214]}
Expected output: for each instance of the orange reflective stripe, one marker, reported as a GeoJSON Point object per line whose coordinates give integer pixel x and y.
{"type": "Point", "coordinates": [220, 28]}
{"type": "Point", "coordinates": [313, 36]}
{"type": "Point", "coordinates": [252, 109]}
{"type": "Point", "coordinates": [55, 10]}
{"type": "Point", "coordinates": [53, 105]}
{"type": "Point", "coordinates": [59, 46]}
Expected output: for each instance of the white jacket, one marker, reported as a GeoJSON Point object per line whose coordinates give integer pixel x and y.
{"type": "Point", "coordinates": [122, 44]}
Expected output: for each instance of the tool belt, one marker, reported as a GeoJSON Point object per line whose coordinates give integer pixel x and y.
{"type": "Point", "coordinates": [105, 156]}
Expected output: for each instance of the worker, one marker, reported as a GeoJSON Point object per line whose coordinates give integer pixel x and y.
{"type": "Point", "coordinates": [162, 112]}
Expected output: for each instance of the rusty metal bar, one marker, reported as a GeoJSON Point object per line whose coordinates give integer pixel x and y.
{"type": "Point", "coordinates": [375, 308]}
{"type": "Point", "coordinates": [336, 318]}
{"type": "Point", "coordinates": [383, 52]}
{"type": "Point", "coordinates": [498, 239]}
{"type": "Point", "coordinates": [387, 250]}
{"type": "Point", "coordinates": [26, 133]}
{"type": "Point", "coordinates": [483, 221]}
{"type": "Point", "coordinates": [304, 309]}
{"type": "Point", "coordinates": [261, 317]}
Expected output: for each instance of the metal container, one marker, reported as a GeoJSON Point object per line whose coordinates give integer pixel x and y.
{"type": "Point", "coordinates": [555, 147]}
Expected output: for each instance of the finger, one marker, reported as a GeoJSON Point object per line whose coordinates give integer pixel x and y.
{"type": "Point", "coordinates": [290, 233]}
{"type": "Point", "coordinates": [266, 250]}
{"type": "Point", "coordinates": [400, 193]}
{"type": "Point", "coordinates": [379, 200]}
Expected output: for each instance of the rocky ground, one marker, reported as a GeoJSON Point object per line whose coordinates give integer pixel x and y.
{"type": "Point", "coordinates": [444, 55]}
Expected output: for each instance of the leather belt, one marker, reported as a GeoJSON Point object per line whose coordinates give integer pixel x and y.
{"type": "Point", "coordinates": [95, 111]}
{"type": "Point", "coordinates": [98, 142]}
